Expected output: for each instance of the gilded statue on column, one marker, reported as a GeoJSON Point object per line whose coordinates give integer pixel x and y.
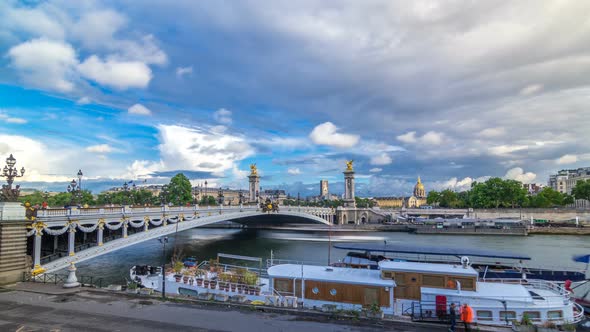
{"type": "Point", "coordinates": [349, 165]}
{"type": "Point", "coordinates": [253, 169]}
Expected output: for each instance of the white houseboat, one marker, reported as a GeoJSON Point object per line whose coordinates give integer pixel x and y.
{"type": "Point", "coordinates": [423, 290]}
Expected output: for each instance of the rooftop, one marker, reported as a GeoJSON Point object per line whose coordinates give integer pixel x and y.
{"type": "Point", "coordinates": [320, 273]}
{"type": "Point", "coordinates": [487, 290]}
{"type": "Point", "coordinates": [428, 268]}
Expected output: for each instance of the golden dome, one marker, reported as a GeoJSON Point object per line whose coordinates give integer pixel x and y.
{"type": "Point", "coordinates": [419, 184]}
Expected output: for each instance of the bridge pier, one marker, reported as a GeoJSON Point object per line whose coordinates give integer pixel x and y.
{"type": "Point", "coordinates": [55, 243]}
{"type": "Point", "coordinates": [125, 229]}
{"type": "Point", "coordinates": [37, 253]}
{"type": "Point", "coordinates": [13, 242]}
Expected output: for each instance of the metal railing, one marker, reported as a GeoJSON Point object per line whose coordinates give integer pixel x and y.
{"type": "Point", "coordinates": [55, 278]}
{"type": "Point", "coordinates": [537, 284]}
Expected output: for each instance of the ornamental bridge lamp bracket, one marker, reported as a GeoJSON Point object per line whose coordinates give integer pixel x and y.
{"type": "Point", "coordinates": [10, 207]}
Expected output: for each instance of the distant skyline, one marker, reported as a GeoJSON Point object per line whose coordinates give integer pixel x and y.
{"type": "Point", "coordinates": [450, 91]}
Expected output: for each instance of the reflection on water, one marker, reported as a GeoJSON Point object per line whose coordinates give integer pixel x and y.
{"type": "Point", "coordinates": [549, 251]}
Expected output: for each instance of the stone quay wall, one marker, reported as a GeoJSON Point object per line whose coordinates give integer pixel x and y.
{"type": "Point", "coordinates": [557, 214]}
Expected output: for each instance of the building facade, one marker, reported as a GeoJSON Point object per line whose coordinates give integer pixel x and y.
{"type": "Point", "coordinates": [416, 200]}
{"type": "Point", "coordinates": [565, 180]}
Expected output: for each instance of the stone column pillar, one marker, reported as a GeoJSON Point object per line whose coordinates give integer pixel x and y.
{"type": "Point", "coordinates": [254, 180]}
{"type": "Point", "coordinates": [100, 235]}
{"type": "Point", "coordinates": [146, 224]}
{"type": "Point", "coordinates": [55, 242]}
{"type": "Point", "coordinates": [349, 188]}
{"type": "Point", "coordinates": [71, 241]}
{"type": "Point", "coordinates": [124, 229]}
{"type": "Point", "coordinates": [37, 253]}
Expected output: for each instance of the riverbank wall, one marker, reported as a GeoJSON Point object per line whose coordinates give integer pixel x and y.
{"type": "Point", "coordinates": [557, 214]}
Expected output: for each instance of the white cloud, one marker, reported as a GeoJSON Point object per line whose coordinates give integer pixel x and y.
{"type": "Point", "coordinates": [100, 148]}
{"type": "Point", "coordinates": [409, 137]}
{"type": "Point", "coordinates": [8, 119]}
{"type": "Point", "coordinates": [118, 74]}
{"type": "Point", "coordinates": [518, 174]}
{"type": "Point", "coordinates": [223, 116]}
{"type": "Point", "coordinates": [382, 159]}
{"type": "Point", "coordinates": [503, 150]}
{"type": "Point", "coordinates": [566, 159]}
{"type": "Point", "coordinates": [294, 171]}
{"type": "Point", "coordinates": [195, 149]}
{"type": "Point", "coordinates": [375, 170]}
{"type": "Point", "coordinates": [493, 132]}
{"type": "Point", "coordinates": [139, 109]}
{"type": "Point", "coordinates": [83, 101]}
{"type": "Point", "coordinates": [45, 63]}
{"type": "Point", "coordinates": [181, 71]}
{"type": "Point", "coordinates": [531, 89]}
{"type": "Point", "coordinates": [326, 134]}
{"type": "Point", "coordinates": [430, 138]}
{"type": "Point", "coordinates": [143, 169]}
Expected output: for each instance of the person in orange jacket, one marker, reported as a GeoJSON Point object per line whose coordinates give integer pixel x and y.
{"type": "Point", "coordinates": [466, 316]}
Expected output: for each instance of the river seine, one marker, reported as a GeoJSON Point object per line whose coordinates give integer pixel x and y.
{"type": "Point", "coordinates": [545, 250]}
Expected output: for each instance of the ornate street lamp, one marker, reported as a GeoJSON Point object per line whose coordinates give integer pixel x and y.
{"type": "Point", "coordinates": [164, 194]}
{"type": "Point", "coordinates": [80, 178]}
{"type": "Point", "coordinates": [74, 190]}
{"type": "Point", "coordinates": [206, 194]}
{"type": "Point", "coordinates": [220, 196]}
{"type": "Point", "coordinates": [125, 192]}
{"type": "Point", "coordinates": [10, 173]}
{"type": "Point", "coordinates": [163, 241]}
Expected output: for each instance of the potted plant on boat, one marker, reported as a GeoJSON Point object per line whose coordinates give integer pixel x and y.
{"type": "Point", "coordinates": [373, 311]}
{"type": "Point", "coordinates": [213, 265]}
{"type": "Point", "coordinates": [233, 282]}
{"type": "Point", "coordinates": [199, 274]}
{"type": "Point", "coordinates": [251, 280]}
{"type": "Point", "coordinates": [223, 284]}
{"type": "Point", "coordinates": [525, 324]}
{"type": "Point", "coordinates": [185, 276]}
{"type": "Point", "coordinates": [177, 265]}
{"type": "Point", "coordinates": [132, 287]}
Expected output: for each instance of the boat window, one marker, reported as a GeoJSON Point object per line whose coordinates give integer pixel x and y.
{"type": "Point", "coordinates": [451, 284]}
{"type": "Point", "coordinates": [333, 292]}
{"type": "Point", "coordinates": [533, 315]}
{"type": "Point", "coordinates": [507, 315]}
{"type": "Point", "coordinates": [186, 291]}
{"type": "Point", "coordinates": [433, 281]}
{"type": "Point", "coordinates": [387, 275]}
{"type": "Point", "coordinates": [484, 315]}
{"type": "Point", "coordinates": [554, 314]}
{"type": "Point", "coordinates": [315, 290]}
{"type": "Point", "coordinates": [282, 285]}
{"type": "Point", "coordinates": [466, 283]}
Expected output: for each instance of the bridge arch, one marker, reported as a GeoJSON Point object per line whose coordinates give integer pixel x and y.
{"type": "Point", "coordinates": [165, 225]}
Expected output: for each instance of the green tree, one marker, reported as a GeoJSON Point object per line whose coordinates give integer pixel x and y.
{"type": "Point", "coordinates": [582, 190]}
{"type": "Point", "coordinates": [180, 190]}
{"type": "Point", "coordinates": [448, 198]}
{"type": "Point", "coordinates": [433, 198]}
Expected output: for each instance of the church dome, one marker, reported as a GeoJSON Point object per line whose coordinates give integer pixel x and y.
{"type": "Point", "coordinates": [419, 190]}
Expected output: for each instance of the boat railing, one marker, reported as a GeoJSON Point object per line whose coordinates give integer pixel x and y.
{"type": "Point", "coordinates": [228, 267]}
{"type": "Point", "coordinates": [279, 261]}
{"type": "Point", "coordinates": [536, 284]}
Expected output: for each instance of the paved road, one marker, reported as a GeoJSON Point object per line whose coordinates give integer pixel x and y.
{"type": "Point", "coordinates": [89, 311]}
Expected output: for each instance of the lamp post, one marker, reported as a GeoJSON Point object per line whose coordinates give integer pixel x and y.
{"type": "Point", "coordinates": [132, 193]}
{"type": "Point", "coordinates": [45, 199]}
{"type": "Point", "coordinates": [74, 189]}
{"type": "Point", "coordinates": [220, 196]}
{"type": "Point", "coordinates": [206, 194]}
{"type": "Point", "coordinates": [164, 195]}
{"type": "Point", "coordinates": [80, 174]}
{"type": "Point", "coordinates": [125, 192]}
{"type": "Point", "coordinates": [163, 241]}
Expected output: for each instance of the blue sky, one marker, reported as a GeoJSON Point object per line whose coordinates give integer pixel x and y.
{"type": "Point", "coordinates": [451, 91]}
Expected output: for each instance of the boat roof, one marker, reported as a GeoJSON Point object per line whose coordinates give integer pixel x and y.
{"type": "Point", "coordinates": [430, 250]}
{"type": "Point", "coordinates": [322, 273]}
{"type": "Point", "coordinates": [486, 290]}
{"type": "Point", "coordinates": [431, 268]}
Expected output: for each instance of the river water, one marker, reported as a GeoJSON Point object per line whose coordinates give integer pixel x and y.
{"type": "Point", "coordinates": [545, 250]}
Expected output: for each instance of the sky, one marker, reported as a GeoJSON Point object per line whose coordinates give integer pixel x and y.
{"type": "Point", "coordinates": [452, 91]}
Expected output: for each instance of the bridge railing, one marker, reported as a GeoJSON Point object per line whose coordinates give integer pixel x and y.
{"type": "Point", "coordinates": [57, 278]}
{"type": "Point", "coordinates": [64, 212]}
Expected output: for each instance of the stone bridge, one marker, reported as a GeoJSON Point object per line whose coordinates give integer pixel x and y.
{"type": "Point", "coordinates": [144, 223]}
